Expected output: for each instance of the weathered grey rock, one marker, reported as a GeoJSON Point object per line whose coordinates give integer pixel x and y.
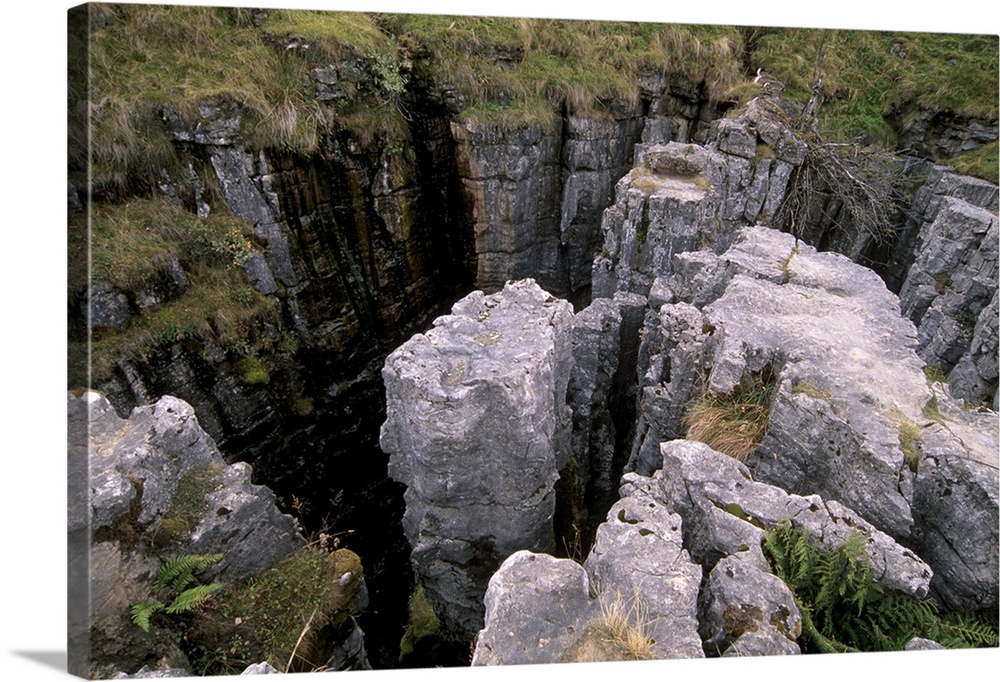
{"type": "Point", "coordinates": [747, 611]}
{"type": "Point", "coordinates": [260, 669]}
{"type": "Point", "coordinates": [511, 182]}
{"type": "Point", "coordinates": [955, 504]}
{"type": "Point", "coordinates": [974, 377]}
{"type": "Point", "coordinates": [943, 135]}
{"type": "Point", "coordinates": [217, 123]}
{"type": "Point", "coordinates": [682, 198]}
{"type": "Point", "coordinates": [921, 644]}
{"type": "Point", "coordinates": [338, 81]}
{"type": "Point", "coordinates": [827, 325]}
{"type": "Point", "coordinates": [661, 208]}
{"type": "Point", "coordinates": [167, 284]}
{"type": "Point", "coordinates": [949, 293]}
{"type": "Point", "coordinates": [159, 488]}
{"type": "Point", "coordinates": [771, 126]}
{"type": "Point", "coordinates": [545, 610]}
{"type": "Point", "coordinates": [596, 345]}
{"type": "Point", "coordinates": [537, 606]}
{"type": "Point", "coordinates": [596, 153]}
{"type": "Point", "coordinates": [476, 428]}
{"type": "Point", "coordinates": [671, 371]}
{"type": "Point", "coordinates": [108, 308]}
{"type": "Point", "coordinates": [735, 137]}
{"type": "Point", "coordinates": [638, 560]}
{"type": "Point", "coordinates": [137, 473]}
{"type": "Point", "coordinates": [149, 673]}
{"type": "Point", "coordinates": [724, 512]}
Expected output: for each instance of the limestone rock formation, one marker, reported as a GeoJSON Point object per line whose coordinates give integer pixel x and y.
{"type": "Point", "coordinates": [638, 576]}
{"type": "Point", "coordinates": [153, 488]}
{"type": "Point", "coordinates": [701, 514]}
{"type": "Point", "coordinates": [724, 512]}
{"type": "Point", "coordinates": [950, 290]}
{"type": "Point", "coordinates": [850, 402]}
{"type": "Point", "coordinates": [477, 428]}
{"type": "Point", "coordinates": [955, 503]}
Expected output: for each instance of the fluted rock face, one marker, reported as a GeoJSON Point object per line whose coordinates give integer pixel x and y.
{"type": "Point", "coordinates": [477, 428]}
{"type": "Point", "coordinates": [535, 195]}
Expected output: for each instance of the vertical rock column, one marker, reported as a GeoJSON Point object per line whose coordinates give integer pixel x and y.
{"type": "Point", "coordinates": [477, 428]}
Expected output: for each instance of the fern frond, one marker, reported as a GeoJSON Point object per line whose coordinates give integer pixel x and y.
{"type": "Point", "coordinates": [965, 630]}
{"type": "Point", "coordinates": [141, 613]}
{"type": "Point", "coordinates": [188, 599]}
{"type": "Point", "coordinates": [178, 573]}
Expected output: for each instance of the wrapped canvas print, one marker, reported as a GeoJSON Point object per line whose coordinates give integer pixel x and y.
{"type": "Point", "coordinates": [404, 341]}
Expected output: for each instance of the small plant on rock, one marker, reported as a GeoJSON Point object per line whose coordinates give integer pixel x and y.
{"type": "Point", "coordinates": [619, 633]}
{"type": "Point", "coordinates": [175, 578]}
{"type": "Point", "coordinates": [734, 423]}
{"type": "Point", "coordinates": [843, 608]}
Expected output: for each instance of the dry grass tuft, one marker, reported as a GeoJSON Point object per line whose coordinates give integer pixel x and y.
{"type": "Point", "coordinates": [620, 633]}
{"type": "Point", "coordinates": [734, 423]}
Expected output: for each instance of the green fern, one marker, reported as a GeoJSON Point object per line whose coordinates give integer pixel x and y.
{"type": "Point", "coordinates": [188, 599]}
{"type": "Point", "coordinates": [141, 613]}
{"type": "Point", "coordinates": [178, 573]}
{"type": "Point", "coordinates": [173, 577]}
{"type": "Point", "coordinates": [844, 609]}
{"type": "Point", "coordinates": [966, 630]}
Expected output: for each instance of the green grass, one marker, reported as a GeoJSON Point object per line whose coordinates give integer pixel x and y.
{"type": "Point", "coordinates": [276, 615]}
{"type": "Point", "coordinates": [982, 163]}
{"type": "Point", "coordinates": [505, 71]}
{"type": "Point", "coordinates": [620, 633]}
{"type": "Point", "coordinates": [878, 82]}
{"type": "Point", "coordinates": [909, 443]}
{"type": "Point", "coordinates": [512, 71]}
{"type": "Point", "coordinates": [134, 245]}
{"type": "Point", "coordinates": [146, 57]}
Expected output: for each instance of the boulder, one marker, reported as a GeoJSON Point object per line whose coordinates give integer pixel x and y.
{"type": "Point", "coordinates": [537, 606]}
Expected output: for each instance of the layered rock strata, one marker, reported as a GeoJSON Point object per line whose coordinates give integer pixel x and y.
{"type": "Point", "coordinates": [477, 428]}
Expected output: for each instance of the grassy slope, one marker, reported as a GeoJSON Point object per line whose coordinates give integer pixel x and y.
{"type": "Point", "coordinates": [148, 56]}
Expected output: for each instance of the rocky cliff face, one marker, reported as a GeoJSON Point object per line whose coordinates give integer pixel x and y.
{"type": "Point", "coordinates": [821, 426]}
{"type": "Point", "coordinates": [950, 289]}
{"type": "Point", "coordinates": [855, 436]}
